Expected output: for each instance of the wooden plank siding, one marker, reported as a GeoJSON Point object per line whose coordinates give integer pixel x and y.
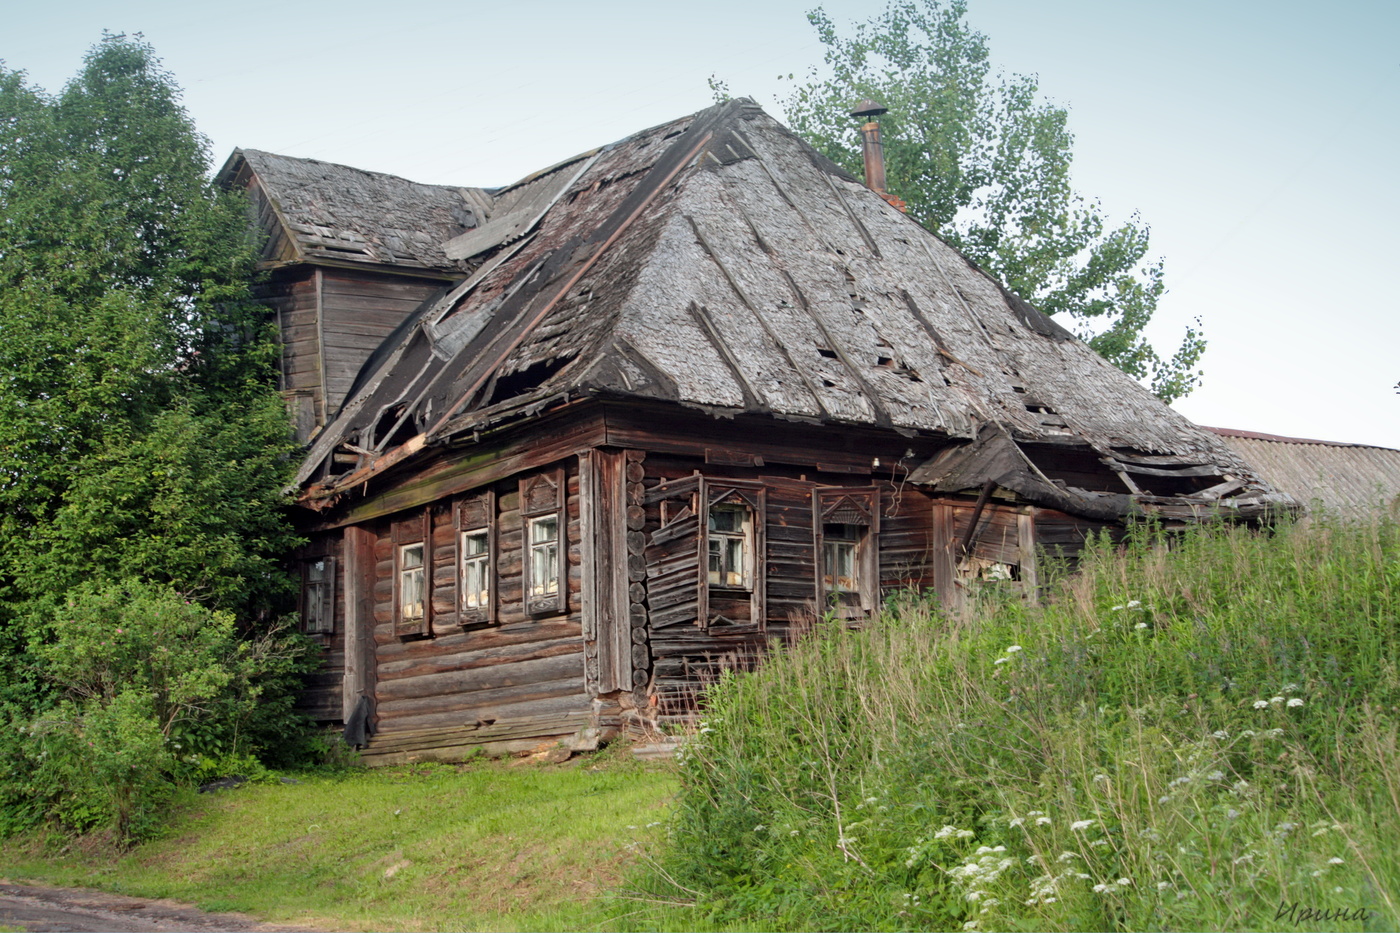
{"type": "Point", "coordinates": [359, 310]}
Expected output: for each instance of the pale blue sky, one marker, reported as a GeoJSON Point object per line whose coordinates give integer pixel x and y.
{"type": "Point", "coordinates": [1257, 137]}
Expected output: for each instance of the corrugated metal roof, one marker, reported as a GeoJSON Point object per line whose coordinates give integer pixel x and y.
{"type": "Point", "coordinates": [1352, 480]}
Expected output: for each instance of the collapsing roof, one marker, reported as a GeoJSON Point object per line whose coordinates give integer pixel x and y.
{"type": "Point", "coordinates": [351, 216]}
{"type": "Point", "coordinates": [720, 263]}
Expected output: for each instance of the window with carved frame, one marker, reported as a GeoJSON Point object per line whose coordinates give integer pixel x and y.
{"type": "Point", "coordinates": [475, 521]}
{"type": "Point", "coordinates": [544, 564]}
{"type": "Point", "coordinates": [705, 561]}
{"type": "Point", "coordinates": [847, 524]}
{"type": "Point", "coordinates": [413, 576]}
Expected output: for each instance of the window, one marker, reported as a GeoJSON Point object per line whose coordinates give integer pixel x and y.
{"type": "Point", "coordinates": [544, 566]}
{"type": "Point", "coordinates": [413, 580]}
{"type": "Point", "coordinates": [476, 569]}
{"type": "Point", "coordinates": [705, 559]}
{"type": "Point", "coordinates": [731, 546]}
{"type": "Point", "coordinates": [544, 557]}
{"type": "Point", "coordinates": [475, 520]}
{"type": "Point", "coordinates": [848, 570]}
{"type": "Point", "coordinates": [318, 596]}
{"type": "Point", "coordinates": [840, 568]}
{"type": "Point", "coordinates": [411, 589]}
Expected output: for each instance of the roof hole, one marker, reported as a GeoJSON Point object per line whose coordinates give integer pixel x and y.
{"type": "Point", "coordinates": [829, 354]}
{"type": "Point", "coordinates": [884, 361]}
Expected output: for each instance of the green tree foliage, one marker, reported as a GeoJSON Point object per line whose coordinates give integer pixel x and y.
{"type": "Point", "coordinates": [139, 429]}
{"type": "Point", "coordinates": [143, 454]}
{"type": "Point", "coordinates": [985, 163]}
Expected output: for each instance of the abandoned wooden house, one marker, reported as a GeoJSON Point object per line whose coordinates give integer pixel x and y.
{"type": "Point", "coordinates": [577, 441]}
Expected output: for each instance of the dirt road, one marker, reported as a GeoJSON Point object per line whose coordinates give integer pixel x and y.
{"type": "Point", "coordinates": [75, 910]}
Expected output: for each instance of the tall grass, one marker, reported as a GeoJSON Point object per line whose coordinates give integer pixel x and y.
{"type": "Point", "coordinates": [1194, 736]}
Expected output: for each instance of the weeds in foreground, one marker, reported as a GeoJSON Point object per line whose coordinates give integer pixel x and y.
{"type": "Point", "coordinates": [1195, 737]}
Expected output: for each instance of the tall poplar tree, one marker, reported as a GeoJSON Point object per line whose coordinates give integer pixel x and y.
{"type": "Point", "coordinates": [984, 162]}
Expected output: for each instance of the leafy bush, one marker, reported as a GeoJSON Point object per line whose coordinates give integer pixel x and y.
{"type": "Point", "coordinates": [1183, 737]}
{"type": "Point", "coordinates": [155, 689]}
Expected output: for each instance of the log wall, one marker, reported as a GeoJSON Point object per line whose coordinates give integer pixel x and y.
{"type": "Point", "coordinates": [506, 686]}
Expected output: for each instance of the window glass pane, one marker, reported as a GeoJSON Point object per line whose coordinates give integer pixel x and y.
{"type": "Point", "coordinates": [543, 529]}
{"type": "Point", "coordinates": [474, 542]}
{"type": "Point", "coordinates": [316, 571]}
{"type": "Point", "coordinates": [727, 518]}
{"type": "Point", "coordinates": [411, 556]}
{"type": "Point", "coordinates": [734, 561]}
{"type": "Point", "coordinates": [411, 582]}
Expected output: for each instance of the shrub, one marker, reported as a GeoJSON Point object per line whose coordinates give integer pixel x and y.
{"type": "Point", "coordinates": [154, 690]}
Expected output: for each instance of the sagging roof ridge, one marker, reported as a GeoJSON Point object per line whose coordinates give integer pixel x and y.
{"type": "Point", "coordinates": [743, 217]}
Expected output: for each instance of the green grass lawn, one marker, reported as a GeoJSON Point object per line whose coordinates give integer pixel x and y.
{"type": "Point", "coordinates": [487, 845]}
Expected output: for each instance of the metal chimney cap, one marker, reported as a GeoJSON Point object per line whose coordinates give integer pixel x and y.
{"type": "Point", "coordinates": [869, 108]}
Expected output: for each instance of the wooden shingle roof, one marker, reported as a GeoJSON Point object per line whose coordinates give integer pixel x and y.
{"type": "Point", "coordinates": [344, 215]}
{"type": "Point", "coordinates": [720, 263]}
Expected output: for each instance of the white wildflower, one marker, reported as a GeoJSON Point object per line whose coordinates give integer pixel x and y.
{"type": "Point", "coordinates": [1000, 661]}
{"type": "Point", "coordinates": [1036, 813]}
{"type": "Point", "coordinates": [1261, 704]}
{"type": "Point", "coordinates": [1295, 701]}
{"type": "Point", "coordinates": [1248, 734]}
{"type": "Point", "coordinates": [1337, 890]}
{"type": "Point", "coordinates": [1232, 814]}
{"type": "Point", "coordinates": [945, 832]}
{"type": "Point", "coordinates": [1100, 778]}
{"type": "Point", "coordinates": [1012, 649]}
{"type": "Point", "coordinates": [1274, 734]}
{"type": "Point", "coordinates": [1140, 625]}
{"type": "Point", "coordinates": [965, 834]}
{"type": "Point", "coordinates": [1220, 734]}
{"type": "Point", "coordinates": [1042, 821]}
{"type": "Point", "coordinates": [1215, 776]}
{"type": "Point", "coordinates": [1163, 885]}
{"type": "Point", "coordinates": [759, 828]}
{"type": "Point", "coordinates": [1099, 842]}
{"type": "Point", "coordinates": [1067, 856]}
{"type": "Point", "coordinates": [1078, 825]}
{"type": "Point", "coordinates": [1102, 888]}
{"type": "Point", "coordinates": [970, 925]}
{"type": "Point", "coordinates": [1289, 688]}
{"type": "Point", "coordinates": [1134, 603]}
{"type": "Point", "coordinates": [1165, 798]}
{"type": "Point", "coordinates": [1334, 860]}
{"type": "Point", "coordinates": [1317, 874]}
{"type": "Point", "coordinates": [1275, 700]}
{"type": "Point", "coordinates": [1015, 821]}
{"type": "Point", "coordinates": [1116, 609]}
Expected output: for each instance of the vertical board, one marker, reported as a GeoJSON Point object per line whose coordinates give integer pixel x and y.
{"type": "Point", "coordinates": [603, 508]}
{"type": "Point", "coordinates": [358, 575]}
